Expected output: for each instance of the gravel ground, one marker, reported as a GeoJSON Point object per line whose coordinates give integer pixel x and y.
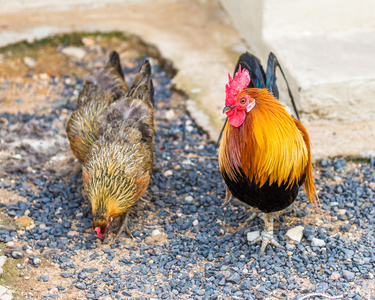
{"type": "Point", "coordinates": [186, 245]}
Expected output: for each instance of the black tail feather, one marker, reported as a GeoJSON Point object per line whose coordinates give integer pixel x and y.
{"type": "Point", "coordinates": [273, 63]}
{"type": "Point", "coordinates": [253, 65]}
{"type": "Point", "coordinates": [271, 75]}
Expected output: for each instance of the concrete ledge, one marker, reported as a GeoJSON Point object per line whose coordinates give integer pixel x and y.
{"type": "Point", "coordinates": [333, 74]}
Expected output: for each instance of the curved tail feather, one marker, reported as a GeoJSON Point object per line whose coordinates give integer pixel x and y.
{"type": "Point", "coordinates": [142, 86]}
{"type": "Point", "coordinates": [272, 64]}
{"type": "Point", "coordinates": [111, 77]}
{"type": "Point", "coordinates": [256, 72]}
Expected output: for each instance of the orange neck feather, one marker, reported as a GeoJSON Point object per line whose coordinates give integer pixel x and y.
{"type": "Point", "coordinates": [267, 146]}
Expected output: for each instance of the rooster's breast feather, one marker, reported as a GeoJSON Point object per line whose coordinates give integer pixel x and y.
{"type": "Point", "coordinates": [268, 147]}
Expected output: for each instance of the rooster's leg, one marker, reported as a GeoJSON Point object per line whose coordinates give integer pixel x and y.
{"type": "Point", "coordinates": [266, 236]}
{"type": "Point", "coordinates": [228, 197]}
{"type": "Point", "coordinates": [124, 225]}
{"type": "Point", "coordinates": [255, 213]}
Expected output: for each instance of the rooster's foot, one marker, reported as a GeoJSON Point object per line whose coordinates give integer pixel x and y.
{"type": "Point", "coordinates": [266, 236]}
{"type": "Point", "coordinates": [265, 239]}
{"type": "Point", "coordinates": [255, 213]}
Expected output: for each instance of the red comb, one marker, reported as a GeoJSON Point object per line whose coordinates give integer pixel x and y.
{"type": "Point", "coordinates": [99, 232]}
{"type": "Point", "coordinates": [241, 80]}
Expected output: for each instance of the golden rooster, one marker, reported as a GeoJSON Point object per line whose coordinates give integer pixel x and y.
{"type": "Point", "coordinates": [265, 155]}
{"type": "Point", "coordinates": [99, 91]}
{"type": "Point", "coordinates": [118, 167]}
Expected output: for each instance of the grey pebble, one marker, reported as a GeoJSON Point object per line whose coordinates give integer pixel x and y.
{"type": "Point", "coordinates": [317, 242]}
{"type": "Point", "coordinates": [80, 286]}
{"type": "Point", "coordinates": [235, 278]}
{"type": "Point", "coordinates": [348, 275]}
{"type": "Point", "coordinates": [17, 254]}
{"type": "Point", "coordinates": [35, 261]}
{"type": "Point", "coordinates": [66, 274]}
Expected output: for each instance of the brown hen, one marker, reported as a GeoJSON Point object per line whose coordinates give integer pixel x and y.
{"type": "Point", "coordinates": [118, 165]}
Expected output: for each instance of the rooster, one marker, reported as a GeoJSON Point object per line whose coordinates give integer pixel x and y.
{"type": "Point", "coordinates": [265, 153]}
{"type": "Point", "coordinates": [100, 90]}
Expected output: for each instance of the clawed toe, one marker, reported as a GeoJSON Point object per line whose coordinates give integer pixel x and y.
{"type": "Point", "coordinates": [265, 239]}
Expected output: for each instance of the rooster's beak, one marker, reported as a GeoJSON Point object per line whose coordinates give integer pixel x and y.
{"type": "Point", "coordinates": [227, 108]}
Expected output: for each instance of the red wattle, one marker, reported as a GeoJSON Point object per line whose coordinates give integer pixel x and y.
{"type": "Point", "coordinates": [236, 117]}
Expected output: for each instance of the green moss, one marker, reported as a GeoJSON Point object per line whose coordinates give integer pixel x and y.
{"type": "Point", "coordinates": [10, 275]}
{"type": "Point", "coordinates": [24, 47]}
{"type": "Point", "coordinates": [358, 160]}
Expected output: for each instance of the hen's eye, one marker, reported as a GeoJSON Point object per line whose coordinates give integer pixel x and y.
{"type": "Point", "coordinates": [243, 101]}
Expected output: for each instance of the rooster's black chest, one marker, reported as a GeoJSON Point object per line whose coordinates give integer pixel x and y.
{"type": "Point", "coordinates": [268, 198]}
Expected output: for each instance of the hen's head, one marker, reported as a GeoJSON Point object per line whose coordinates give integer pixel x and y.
{"type": "Point", "coordinates": [101, 226]}
{"type": "Point", "coordinates": [237, 103]}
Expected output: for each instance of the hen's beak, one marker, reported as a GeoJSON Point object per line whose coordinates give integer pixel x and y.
{"type": "Point", "coordinates": [99, 233]}
{"type": "Point", "coordinates": [227, 108]}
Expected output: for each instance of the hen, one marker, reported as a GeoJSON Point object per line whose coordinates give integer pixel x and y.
{"type": "Point", "coordinates": [111, 132]}
{"type": "Point", "coordinates": [118, 167]}
{"type": "Point", "coordinates": [265, 153]}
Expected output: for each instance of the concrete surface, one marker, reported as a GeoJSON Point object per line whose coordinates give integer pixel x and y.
{"type": "Point", "coordinates": [199, 38]}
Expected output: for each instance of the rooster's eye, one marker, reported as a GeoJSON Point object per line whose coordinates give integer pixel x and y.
{"type": "Point", "coordinates": [243, 101]}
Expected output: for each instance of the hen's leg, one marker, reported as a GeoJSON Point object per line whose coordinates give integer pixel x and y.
{"type": "Point", "coordinates": [266, 237]}
{"type": "Point", "coordinates": [145, 199]}
{"type": "Point", "coordinates": [124, 225]}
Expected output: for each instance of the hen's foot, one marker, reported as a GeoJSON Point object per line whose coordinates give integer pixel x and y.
{"type": "Point", "coordinates": [266, 236]}
{"type": "Point", "coordinates": [145, 199]}
{"type": "Point", "coordinates": [124, 226]}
